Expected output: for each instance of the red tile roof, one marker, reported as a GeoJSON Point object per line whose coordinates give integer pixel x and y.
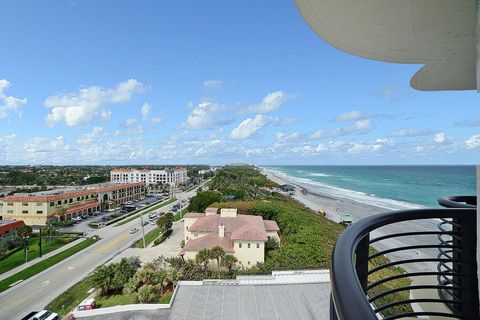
{"type": "Point", "coordinates": [6, 226]}
{"type": "Point", "coordinates": [271, 225]}
{"type": "Point", "coordinates": [208, 242]}
{"type": "Point", "coordinates": [241, 227]}
{"type": "Point", "coordinates": [54, 197]}
{"type": "Point", "coordinates": [83, 206]}
{"type": "Point", "coordinates": [194, 215]}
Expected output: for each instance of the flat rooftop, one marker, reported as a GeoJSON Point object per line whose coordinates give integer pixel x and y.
{"type": "Point", "coordinates": [245, 302]}
{"type": "Point", "coordinates": [68, 189]}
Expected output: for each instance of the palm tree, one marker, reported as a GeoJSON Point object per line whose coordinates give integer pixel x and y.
{"type": "Point", "coordinates": [49, 231]}
{"type": "Point", "coordinates": [217, 252]}
{"type": "Point", "coordinates": [229, 262]}
{"type": "Point", "coordinates": [102, 278]}
{"type": "Point", "coordinates": [23, 233]}
{"type": "Point", "coordinates": [203, 257]}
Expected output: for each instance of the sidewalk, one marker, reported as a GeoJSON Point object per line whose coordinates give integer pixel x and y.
{"type": "Point", "coordinates": [36, 260]}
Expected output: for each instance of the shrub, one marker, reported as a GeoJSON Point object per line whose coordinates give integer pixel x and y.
{"type": "Point", "coordinates": [162, 238]}
{"type": "Point", "coordinates": [146, 293]}
{"type": "Point", "coordinates": [203, 199]}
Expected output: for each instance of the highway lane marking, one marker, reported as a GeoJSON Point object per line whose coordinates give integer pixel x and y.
{"type": "Point", "coordinates": [111, 243]}
{"type": "Point", "coordinates": [45, 283]}
{"type": "Point", "coordinates": [71, 268]}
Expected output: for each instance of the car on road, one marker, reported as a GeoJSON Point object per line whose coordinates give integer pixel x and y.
{"type": "Point", "coordinates": [145, 222]}
{"type": "Point", "coordinates": [45, 315]}
{"type": "Point", "coordinates": [133, 230]}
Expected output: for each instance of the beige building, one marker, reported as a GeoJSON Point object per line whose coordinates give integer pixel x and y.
{"type": "Point", "coordinates": [243, 236]}
{"type": "Point", "coordinates": [38, 208]}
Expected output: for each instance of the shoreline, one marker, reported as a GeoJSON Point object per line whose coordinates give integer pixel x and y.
{"type": "Point", "coordinates": [336, 207]}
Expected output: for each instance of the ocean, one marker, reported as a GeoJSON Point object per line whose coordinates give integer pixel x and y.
{"type": "Point", "coordinates": [390, 187]}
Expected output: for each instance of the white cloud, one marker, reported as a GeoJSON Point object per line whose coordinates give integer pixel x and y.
{"type": "Point", "coordinates": [248, 127]}
{"type": "Point", "coordinates": [359, 126]}
{"type": "Point", "coordinates": [91, 138]}
{"type": "Point", "coordinates": [130, 122]}
{"type": "Point", "coordinates": [359, 147]}
{"type": "Point", "coordinates": [41, 145]}
{"type": "Point", "coordinates": [439, 137]}
{"type": "Point", "coordinates": [270, 102]}
{"type": "Point", "coordinates": [285, 139]}
{"type": "Point", "coordinates": [203, 115]}
{"type": "Point", "coordinates": [213, 84]}
{"type": "Point", "coordinates": [77, 109]}
{"type": "Point", "coordinates": [349, 116]}
{"type": "Point", "coordinates": [418, 149]}
{"type": "Point", "coordinates": [8, 138]}
{"type": "Point", "coordinates": [145, 110]}
{"type": "Point", "coordinates": [409, 133]}
{"type": "Point", "coordinates": [318, 134]}
{"type": "Point", "coordinates": [9, 104]}
{"type": "Point", "coordinates": [473, 142]}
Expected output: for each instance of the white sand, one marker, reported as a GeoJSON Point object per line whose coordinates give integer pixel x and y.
{"type": "Point", "coordinates": [336, 207]}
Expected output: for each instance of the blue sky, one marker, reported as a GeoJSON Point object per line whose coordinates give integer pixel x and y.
{"type": "Point", "coordinates": [183, 82]}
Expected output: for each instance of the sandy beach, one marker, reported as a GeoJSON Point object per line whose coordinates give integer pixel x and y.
{"type": "Point", "coordinates": [335, 207]}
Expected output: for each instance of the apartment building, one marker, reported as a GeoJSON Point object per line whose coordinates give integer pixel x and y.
{"type": "Point", "coordinates": [174, 176]}
{"type": "Point", "coordinates": [40, 208]}
{"type": "Point", "coordinates": [243, 236]}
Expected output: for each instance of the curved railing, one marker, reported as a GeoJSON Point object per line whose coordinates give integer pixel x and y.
{"type": "Point", "coordinates": [458, 202]}
{"type": "Point", "coordinates": [448, 288]}
{"type": "Point", "coordinates": [356, 294]}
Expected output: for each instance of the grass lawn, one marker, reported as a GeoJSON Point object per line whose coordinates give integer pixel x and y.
{"type": "Point", "coordinates": [45, 264]}
{"type": "Point", "coordinates": [69, 299]}
{"type": "Point", "coordinates": [149, 237]}
{"type": "Point", "coordinates": [152, 208]}
{"type": "Point", "coordinates": [18, 258]}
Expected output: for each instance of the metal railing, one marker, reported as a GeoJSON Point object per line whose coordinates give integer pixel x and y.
{"type": "Point", "coordinates": [449, 286]}
{"type": "Point", "coordinates": [359, 292]}
{"type": "Point", "coordinates": [458, 202]}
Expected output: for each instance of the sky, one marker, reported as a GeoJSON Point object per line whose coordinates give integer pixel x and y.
{"type": "Point", "coordinates": [210, 82]}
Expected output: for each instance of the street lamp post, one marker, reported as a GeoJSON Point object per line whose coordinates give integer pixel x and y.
{"type": "Point", "coordinates": [143, 230]}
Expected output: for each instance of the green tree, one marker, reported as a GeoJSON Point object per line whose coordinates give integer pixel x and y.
{"type": "Point", "coordinates": [217, 253]}
{"type": "Point", "coordinates": [164, 223]}
{"type": "Point", "coordinates": [229, 261]}
{"type": "Point", "coordinates": [146, 293]}
{"type": "Point", "coordinates": [49, 231]}
{"type": "Point", "coordinates": [23, 233]}
{"type": "Point", "coordinates": [203, 199]}
{"type": "Point", "coordinates": [202, 258]}
{"type": "Point", "coordinates": [124, 271]}
{"type": "Point", "coordinates": [103, 279]}
{"type": "Point", "coordinates": [271, 244]}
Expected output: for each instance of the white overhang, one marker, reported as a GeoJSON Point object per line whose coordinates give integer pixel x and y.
{"type": "Point", "coordinates": [440, 34]}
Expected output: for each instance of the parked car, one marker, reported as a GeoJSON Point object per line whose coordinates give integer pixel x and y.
{"type": "Point", "coordinates": [87, 304]}
{"type": "Point", "coordinates": [133, 230]}
{"type": "Point", "coordinates": [30, 315]}
{"type": "Point", "coordinates": [153, 222]}
{"type": "Point", "coordinates": [45, 315]}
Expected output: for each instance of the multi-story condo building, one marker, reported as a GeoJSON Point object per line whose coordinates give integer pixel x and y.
{"type": "Point", "coordinates": [243, 236]}
{"type": "Point", "coordinates": [129, 175]}
{"type": "Point", "coordinates": [40, 208]}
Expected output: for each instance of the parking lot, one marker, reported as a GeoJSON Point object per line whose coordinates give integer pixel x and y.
{"type": "Point", "coordinates": [82, 226]}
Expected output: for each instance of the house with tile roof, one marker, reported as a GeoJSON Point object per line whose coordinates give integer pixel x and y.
{"type": "Point", "coordinates": [243, 236]}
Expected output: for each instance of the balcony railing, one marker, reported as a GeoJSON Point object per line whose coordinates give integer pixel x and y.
{"type": "Point", "coordinates": [448, 256]}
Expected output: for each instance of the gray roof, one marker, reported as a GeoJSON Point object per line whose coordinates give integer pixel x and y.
{"type": "Point", "coordinates": [250, 302]}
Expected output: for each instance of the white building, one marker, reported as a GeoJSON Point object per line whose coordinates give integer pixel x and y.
{"type": "Point", "coordinates": [129, 175]}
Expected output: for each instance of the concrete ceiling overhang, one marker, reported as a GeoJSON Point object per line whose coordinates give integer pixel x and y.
{"type": "Point", "coordinates": [441, 34]}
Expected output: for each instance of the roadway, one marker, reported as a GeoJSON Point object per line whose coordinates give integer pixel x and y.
{"type": "Point", "coordinates": [36, 292]}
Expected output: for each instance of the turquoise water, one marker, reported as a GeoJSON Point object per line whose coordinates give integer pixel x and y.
{"type": "Point", "coordinates": [394, 187]}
